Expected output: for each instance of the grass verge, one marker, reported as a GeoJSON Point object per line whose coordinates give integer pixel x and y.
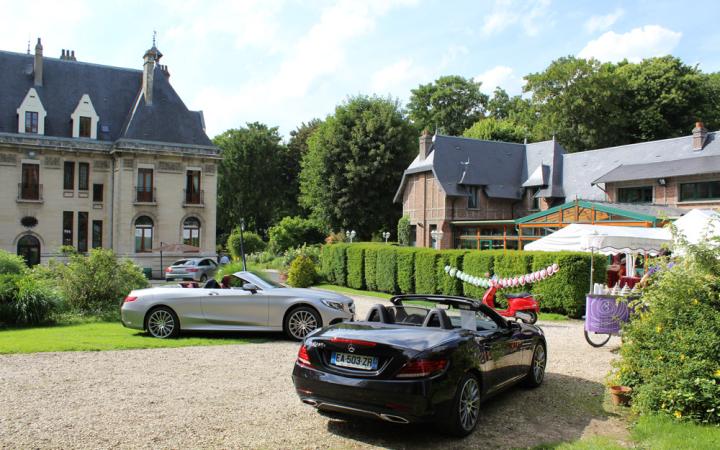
{"type": "Point", "coordinates": [96, 335]}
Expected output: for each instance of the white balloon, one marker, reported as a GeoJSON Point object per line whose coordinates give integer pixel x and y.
{"type": "Point", "coordinates": [555, 267]}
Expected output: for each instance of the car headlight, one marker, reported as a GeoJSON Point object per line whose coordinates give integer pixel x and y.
{"type": "Point", "coordinates": [332, 304]}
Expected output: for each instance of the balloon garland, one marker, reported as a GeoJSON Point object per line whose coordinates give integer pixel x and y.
{"type": "Point", "coordinates": [500, 283]}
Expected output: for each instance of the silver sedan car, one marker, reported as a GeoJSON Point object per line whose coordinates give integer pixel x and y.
{"type": "Point", "coordinates": [191, 269]}
{"type": "Point", "coordinates": [241, 302]}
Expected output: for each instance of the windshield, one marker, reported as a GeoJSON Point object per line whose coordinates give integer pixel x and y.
{"type": "Point", "coordinates": [413, 312]}
{"type": "Point", "coordinates": [183, 262]}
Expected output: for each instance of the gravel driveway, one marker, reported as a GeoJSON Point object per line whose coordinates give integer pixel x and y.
{"type": "Point", "coordinates": [242, 396]}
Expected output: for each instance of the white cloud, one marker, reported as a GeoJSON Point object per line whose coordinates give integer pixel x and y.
{"type": "Point", "coordinates": [599, 23]}
{"type": "Point", "coordinates": [394, 75]}
{"type": "Point", "coordinates": [506, 13]}
{"type": "Point", "coordinates": [502, 76]}
{"type": "Point", "coordinates": [636, 44]}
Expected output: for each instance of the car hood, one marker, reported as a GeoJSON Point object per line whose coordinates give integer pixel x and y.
{"type": "Point", "coordinates": [314, 294]}
{"type": "Point", "coordinates": [399, 336]}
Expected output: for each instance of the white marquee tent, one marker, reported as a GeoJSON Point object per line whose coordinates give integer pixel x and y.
{"type": "Point", "coordinates": [603, 239]}
{"type": "Point", "coordinates": [699, 224]}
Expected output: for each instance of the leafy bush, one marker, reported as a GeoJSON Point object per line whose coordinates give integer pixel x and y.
{"type": "Point", "coordinates": [8, 293]}
{"type": "Point", "coordinates": [371, 268]}
{"type": "Point", "coordinates": [403, 231]}
{"type": "Point", "coordinates": [252, 243]}
{"type": "Point", "coordinates": [36, 299]}
{"type": "Point", "coordinates": [292, 232]}
{"type": "Point", "coordinates": [426, 271]}
{"type": "Point", "coordinates": [336, 238]}
{"type": "Point", "coordinates": [334, 263]}
{"type": "Point", "coordinates": [11, 263]}
{"type": "Point", "coordinates": [479, 264]}
{"type": "Point", "coordinates": [302, 272]}
{"type": "Point", "coordinates": [387, 269]}
{"type": "Point", "coordinates": [310, 251]}
{"type": "Point", "coordinates": [406, 270]}
{"type": "Point", "coordinates": [355, 266]}
{"type": "Point", "coordinates": [98, 282]}
{"type": "Point", "coordinates": [228, 269]}
{"type": "Point", "coordinates": [450, 285]}
{"type": "Point", "coordinates": [670, 348]}
{"type": "Point", "coordinates": [511, 263]}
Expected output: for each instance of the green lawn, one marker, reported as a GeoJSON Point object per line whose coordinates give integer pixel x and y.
{"type": "Point", "coordinates": [350, 291]}
{"type": "Point", "coordinates": [99, 336]}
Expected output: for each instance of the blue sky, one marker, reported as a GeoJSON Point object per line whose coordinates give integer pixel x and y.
{"type": "Point", "coordinates": [283, 62]}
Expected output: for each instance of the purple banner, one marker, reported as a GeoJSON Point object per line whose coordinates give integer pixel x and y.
{"type": "Point", "coordinates": [605, 313]}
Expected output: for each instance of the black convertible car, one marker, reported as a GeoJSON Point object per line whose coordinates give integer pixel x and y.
{"type": "Point", "coordinates": [424, 359]}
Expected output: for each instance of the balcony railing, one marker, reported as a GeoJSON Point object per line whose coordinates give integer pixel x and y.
{"type": "Point", "coordinates": [145, 194]}
{"type": "Point", "coordinates": [30, 192]}
{"type": "Point", "coordinates": [193, 198]}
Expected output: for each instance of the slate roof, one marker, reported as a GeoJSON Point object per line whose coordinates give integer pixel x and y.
{"type": "Point", "coordinates": [114, 93]}
{"type": "Point", "coordinates": [675, 168]}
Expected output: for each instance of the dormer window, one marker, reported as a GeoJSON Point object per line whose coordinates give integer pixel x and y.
{"type": "Point", "coordinates": [31, 122]}
{"type": "Point", "coordinates": [84, 119]}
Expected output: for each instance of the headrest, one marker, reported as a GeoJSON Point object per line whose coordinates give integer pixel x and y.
{"type": "Point", "coordinates": [379, 313]}
{"type": "Point", "coordinates": [437, 318]}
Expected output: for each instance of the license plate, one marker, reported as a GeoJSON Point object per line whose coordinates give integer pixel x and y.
{"type": "Point", "coordinates": [354, 361]}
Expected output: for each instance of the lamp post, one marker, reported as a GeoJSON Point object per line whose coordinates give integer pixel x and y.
{"type": "Point", "coordinates": [350, 235]}
{"type": "Point", "coordinates": [162, 268]}
{"type": "Point", "coordinates": [242, 244]}
{"type": "Point", "coordinates": [386, 235]}
{"type": "Point", "coordinates": [437, 236]}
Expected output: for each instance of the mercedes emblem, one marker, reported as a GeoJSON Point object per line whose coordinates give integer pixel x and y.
{"type": "Point", "coordinates": [351, 348]}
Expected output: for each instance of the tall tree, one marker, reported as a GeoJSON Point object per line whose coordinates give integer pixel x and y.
{"type": "Point", "coordinates": [294, 152]}
{"type": "Point", "coordinates": [451, 104]}
{"type": "Point", "coordinates": [492, 129]}
{"type": "Point", "coordinates": [354, 161]}
{"type": "Point", "coordinates": [248, 187]}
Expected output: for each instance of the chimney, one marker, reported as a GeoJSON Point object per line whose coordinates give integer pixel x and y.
{"type": "Point", "coordinates": [38, 67]}
{"type": "Point", "coordinates": [72, 56]}
{"type": "Point", "coordinates": [62, 55]}
{"type": "Point", "coordinates": [699, 134]}
{"type": "Point", "coordinates": [151, 58]}
{"type": "Point", "coordinates": [425, 144]}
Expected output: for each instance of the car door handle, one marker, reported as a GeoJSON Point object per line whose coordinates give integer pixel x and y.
{"type": "Point", "coordinates": [213, 293]}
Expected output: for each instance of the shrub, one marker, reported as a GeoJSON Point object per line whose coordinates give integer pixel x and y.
{"type": "Point", "coordinates": [252, 243]}
{"type": "Point", "coordinates": [302, 272]}
{"type": "Point", "coordinates": [479, 264]}
{"type": "Point", "coordinates": [334, 263]}
{"type": "Point", "coordinates": [11, 263]}
{"type": "Point", "coordinates": [511, 263]}
{"type": "Point", "coordinates": [387, 269]}
{"type": "Point", "coordinates": [98, 282]}
{"type": "Point", "coordinates": [670, 348]}
{"type": "Point", "coordinates": [426, 271]}
{"type": "Point", "coordinates": [8, 293]}
{"type": "Point", "coordinates": [335, 238]}
{"type": "Point", "coordinates": [406, 270]}
{"type": "Point", "coordinates": [292, 232]}
{"type": "Point", "coordinates": [36, 299]}
{"type": "Point", "coordinates": [448, 285]}
{"type": "Point", "coordinates": [355, 266]}
{"type": "Point", "coordinates": [310, 251]}
{"type": "Point", "coordinates": [403, 230]}
{"type": "Point", "coordinates": [371, 268]}
{"type": "Point", "coordinates": [228, 269]}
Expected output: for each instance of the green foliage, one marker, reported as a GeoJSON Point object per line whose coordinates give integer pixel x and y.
{"type": "Point", "coordinates": [670, 348]}
{"type": "Point", "coordinates": [426, 271]}
{"type": "Point", "coordinates": [67, 250]}
{"type": "Point", "coordinates": [11, 263]}
{"type": "Point", "coordinates": [302, 272]}
{"type": "Point", "coordinates": [403, 231]}
{"type": "Point", "coordinates": [371, 268]}
{"type": "Point", "coordinates": [310, 251]}
{"type": "Point", "coordinates": [451, 104]}
{"type": "Point", "coordinates": [252, 243]}
{"type": "Point", "coordinates": [406, 270]}
{"type": "Point", "coordinates": [491, 129]}
{"type": "Point", "coordinates": [293, 232]}
{"type": "Point", "coordinates": [354, 161]}
{"type": "Point", "coordinates": [355, 267]}
{"type": "Point", "coordinates": [510, 263]}
{"type": "Point", "coordinates": [228, 269]}
{"type": "Point", "coordinates": [8, 293]}
{"type": "Point", "coordinates": [334, 263]}
{"type": "Point", "coordinates": [450, 285]}
{"type": "Point", "coordinates": [387, 269]}
{"type": "Point", "coordinates": [295, 151]}
{"type": "Point", "coordinates": [35, 300]}
{"type": "Point", "coordinates": [99, 281]}
{"type": "Point", "coordinates": [479, 264]}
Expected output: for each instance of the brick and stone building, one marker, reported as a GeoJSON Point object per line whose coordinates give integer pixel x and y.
{"type": "Point", "coordinates": [469, 193]}
{"type": "Point", "coordinates": [100, 156]}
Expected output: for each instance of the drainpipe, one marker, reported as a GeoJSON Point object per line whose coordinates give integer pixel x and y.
{"type": "Point", "coordinates": [112, 200]}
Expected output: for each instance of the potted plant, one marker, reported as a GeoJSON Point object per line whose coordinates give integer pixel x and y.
{"type": "Point", "coordinates": [620, 395]}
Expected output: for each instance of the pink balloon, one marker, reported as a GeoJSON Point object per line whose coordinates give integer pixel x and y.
{"type": "Point", "coordinates": [543, 274]}
{"type": "Point", "coordinates": [515, 281]}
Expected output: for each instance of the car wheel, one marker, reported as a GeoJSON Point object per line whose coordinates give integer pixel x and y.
{"type": "Point", "coordinates": [162, 323]}
{"type": "Point", "coordinates": [533, 317]}
{"type": "Point", "coordinates": [203, 278]}
{"type": "Point", "coordinates": [536, 374]}
{"type": "Point", "coordinates": [301, 321]}
{"type": "Point", "coordinates": [465, 412]}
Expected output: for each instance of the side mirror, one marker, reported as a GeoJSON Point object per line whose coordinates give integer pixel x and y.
{"type": "Point", "coordinates": [250, 287]}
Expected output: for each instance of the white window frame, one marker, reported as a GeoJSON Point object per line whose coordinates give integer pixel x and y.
{"type": "Point", "coordinates": [31, 103]}
{"type": "Point", "coordinates": [85, 108]}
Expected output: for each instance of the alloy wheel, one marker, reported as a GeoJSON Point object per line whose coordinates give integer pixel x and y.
{"type": "Point", "coordinates": [539, 362]}
{"type": "Point", "coordinates": [469, 404]}
{"type": "Point", "coordinates": [161, 324]}
{"type": "Point", "coordinates": [301, 323]}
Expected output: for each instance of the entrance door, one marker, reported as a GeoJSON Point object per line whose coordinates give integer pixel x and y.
{"type": "Point", "coordinates": [29, 248]}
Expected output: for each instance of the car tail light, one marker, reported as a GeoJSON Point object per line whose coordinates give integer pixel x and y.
{"type": "Point", "coordinates": [130, 298]}
{"type": "Point", "coordinates": [168, 270]}
{"type": "Point", "coordinates": [339, 340]}
{"type": "Point", "coordinates": [192, 269]}
{"type": "Point", "coordinates": [303, 358]}
{"type": "Point", "coordinates": [417, 368]}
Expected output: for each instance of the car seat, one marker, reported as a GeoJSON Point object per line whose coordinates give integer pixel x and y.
{"type": "Point", "coordinates": [212, 284]}
{"type": "Point", "coordinates": [379, 313]}
{"type": "Point", "coordinates": [225, 283]}
{"type": "Point", "coordinates": [437, 318]}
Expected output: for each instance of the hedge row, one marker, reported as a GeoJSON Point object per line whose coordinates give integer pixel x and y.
{"type": "Point", "coordinates": [408, 270]}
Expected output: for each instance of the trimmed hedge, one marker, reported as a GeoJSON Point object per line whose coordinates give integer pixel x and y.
{"type": "Point", "coordinates": [408, 270]}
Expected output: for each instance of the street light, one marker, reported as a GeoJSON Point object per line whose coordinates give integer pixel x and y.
{"type": "Point", "coordinates": [350, 235]}
{"type": "Point", "coordinates": [437, 236]}
{"type": "Point", "coordinates": [242, 244]}
{"type": "Point", "coordinates": [386, 235]}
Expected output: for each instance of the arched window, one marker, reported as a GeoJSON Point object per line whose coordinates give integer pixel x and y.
{"type": "Point", "coordinates": [29, 248]}
{"type": "Point", "coordinates": [191, 231]}
{"type": "Point", "coordinates": [143, 234]}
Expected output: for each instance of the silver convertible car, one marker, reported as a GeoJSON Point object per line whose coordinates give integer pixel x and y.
{"type": "Point", "coordinates": [241, 302]}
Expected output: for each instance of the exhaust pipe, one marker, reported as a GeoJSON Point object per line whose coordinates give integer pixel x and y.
{"type": "Point", "coordinates": [309, 401]}
{"type": "Point", "coordinates": [393, 419]}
